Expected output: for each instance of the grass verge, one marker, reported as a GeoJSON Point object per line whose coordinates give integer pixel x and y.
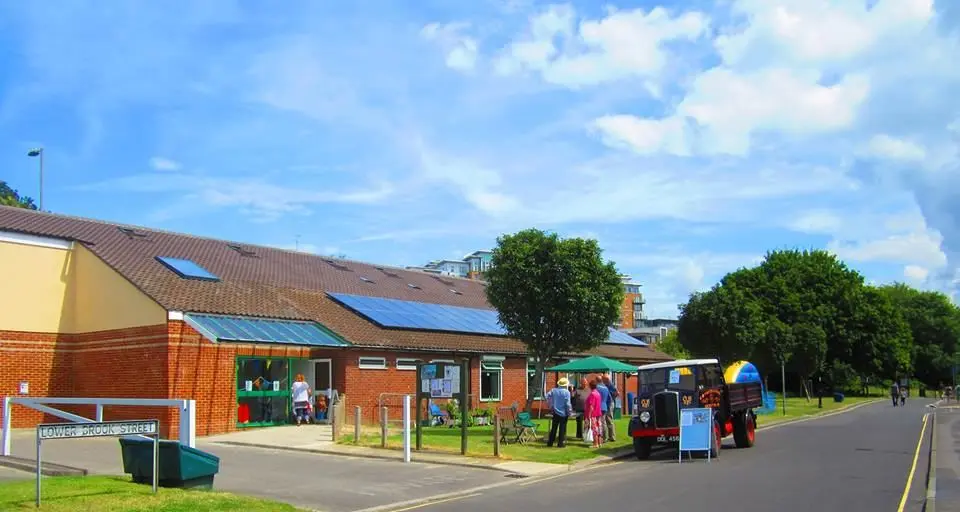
{"type": "Point", "coordinates": [480, 440]}
{"type": "Point", "coordinates": [115, 494]}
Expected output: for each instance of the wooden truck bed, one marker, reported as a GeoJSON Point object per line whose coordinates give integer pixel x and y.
{"type": "Point", "coordinates": [746, 395]}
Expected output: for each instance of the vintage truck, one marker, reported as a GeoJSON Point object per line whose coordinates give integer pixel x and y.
{"type": "Point", "coordinates": [665, 388]}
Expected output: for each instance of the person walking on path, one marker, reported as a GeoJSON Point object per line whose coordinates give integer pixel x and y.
{"type": "Point", "coordinates": [301, 399]}
{"type": "Point", "coordinates": [610, 429]}
{"type": "Point", "coordinates": [579, 402]}
{"type": "Point", "coordinates": [895, 393]}
{"type": "Point", "coordinates": [558, 399]}
{"type": "Point", "coordinates": [593, 414]}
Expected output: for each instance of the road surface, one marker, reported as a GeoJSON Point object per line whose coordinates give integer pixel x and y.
{"type": "Point", "coordinates": [855, 461]}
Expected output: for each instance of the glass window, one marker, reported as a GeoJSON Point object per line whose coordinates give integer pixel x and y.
{"type": "Point", "coordinates": [491, 381]}
{"type": "Point", "coordinates": [262, 375]}
{"type": "Point", "coordinates": [373, 363]}
{"type": "Point", "coordinates": [406, 364]}
{"type": "Point", "coordinates": [531, 382]}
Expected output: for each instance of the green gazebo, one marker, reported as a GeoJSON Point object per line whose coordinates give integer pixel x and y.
{"type": "Point", "coordinates": [600, 364]}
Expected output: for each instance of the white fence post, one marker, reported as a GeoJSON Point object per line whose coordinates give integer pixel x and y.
{"type": "Point", "coordinates": [188, 423]}
{"type": "Point", "coordinates": [99, 412]}
{"type": "Point", "coordinates": [406, 428]}
{"type": "Point", "coordinates": [7, 409]}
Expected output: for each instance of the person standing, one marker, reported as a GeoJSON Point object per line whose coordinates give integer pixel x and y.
{"type": "Point", "coordinates": [608, 426]}
{"type": "Point", "coordinates": [593, 414]}
{"type": "Point", "coordinates": [895, 393]}
{"type": "Point", "coordinates": [579, 402]}
{"type": "Point", "coordinates": [301, 399]}
{"type": "Point", "coordinates": [558, 399]}
{"type": "Point", "coordinates": [604, 405]}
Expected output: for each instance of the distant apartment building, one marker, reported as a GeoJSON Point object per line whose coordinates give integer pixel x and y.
{"type": "Point", "coordinates": [652, 330]}
{"type": "Point", "coordinates": [631, 310]}
{"type": "Point", "coordinates": [479, 262]}
{"type": "Point", "coordinates": [472, 266]}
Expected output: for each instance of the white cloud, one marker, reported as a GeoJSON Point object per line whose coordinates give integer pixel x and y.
{"type": "Point", "coordinates": [916, 248]}
{"type": "Point", "coordinates": [644, 136]}
{"type": "Point", "coordinates": [891, 148]}
{"type": "Point", "coordinates": [461, 50]}
{"type": "Point", "coordinates": [624, 44]}
{"type": "Point", "coordinates": [164, 164]}
{"type": "Point", "coordinates": [817, 221]}
{"type": "Point", "coordinates": [916, 273]}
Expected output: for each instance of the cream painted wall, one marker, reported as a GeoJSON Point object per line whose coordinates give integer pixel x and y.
{"type": "Point", "coordinates": [33, 286]}
{"type": "Point", "coordinates": [50, 285]}
{"type": "Point", "coordinates": [102, 299]}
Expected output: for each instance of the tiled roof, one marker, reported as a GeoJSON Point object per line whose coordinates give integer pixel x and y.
{"type": "Point", "coordinates": [273, 283]}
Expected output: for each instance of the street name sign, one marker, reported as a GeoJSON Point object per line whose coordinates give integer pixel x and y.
{"type": "Point", "coordinates": [49, 431]}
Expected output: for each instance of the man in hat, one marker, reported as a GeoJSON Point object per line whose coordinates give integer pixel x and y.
{"type": "Point", "coordinates": [558, 399]}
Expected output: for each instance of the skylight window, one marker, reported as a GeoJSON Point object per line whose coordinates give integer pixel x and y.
{"type": "Point", "coordinates": [458, 292]}
{"type": "Point", "coordinates": [187, 269]}
{"type": "Point", "coordinates": [367, 280]}
{"type": "Point", "coordinates": [411, 285]}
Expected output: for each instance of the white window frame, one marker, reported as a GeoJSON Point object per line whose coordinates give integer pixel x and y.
{"type": "Point", "coordinates": [490, 364]}
{"type": "Point", "coordinates": [448, 361]}
{"type": "Point", "coordinates": [369, 365]}
{"type": "Point", "coordinates": [406, 363]}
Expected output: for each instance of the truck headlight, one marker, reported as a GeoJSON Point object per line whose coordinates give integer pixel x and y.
{"type": "Point", "coordinates": [645, 416]}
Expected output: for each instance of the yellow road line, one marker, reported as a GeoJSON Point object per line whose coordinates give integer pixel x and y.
{"type": "Point", "coordinates": [422, 505]}
{"type": "Point", "coordinates": [913, 468]}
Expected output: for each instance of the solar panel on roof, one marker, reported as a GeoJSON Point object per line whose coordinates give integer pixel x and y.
{"type": "Point", "coordinates": [404, 314]}
{"type": "Point", "coordinates": [259, 330]}
{"type": "Point", "coordinates": [187, 269]}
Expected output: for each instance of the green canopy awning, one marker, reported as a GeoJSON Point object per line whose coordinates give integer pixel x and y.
{"type": "Point", "coordinates": [594, 364]}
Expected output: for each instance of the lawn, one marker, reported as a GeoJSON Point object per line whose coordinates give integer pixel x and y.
{"type": "Point", "coordinates": [480, 440]}
{"type": "Point", "coordinates": [115, 494]}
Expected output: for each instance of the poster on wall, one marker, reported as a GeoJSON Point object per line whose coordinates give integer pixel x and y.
{"type": "Point", "coordinates": [425, 386]}
{"type": "Point", "coordinates": [452, 374]}
{"type": "Point", "coordinates": [436, 388]}
{"type": "Point", "coordinates": [447, 388]}
{"type": "Point", "coordinates": [248, 385]}
{"type": "Point", "coordinates": [428, 371]}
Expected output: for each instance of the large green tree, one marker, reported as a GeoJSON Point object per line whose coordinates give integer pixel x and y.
{"type": "Point", "coordinates": [670, 345]}
{"type": "Point", "coordinates": [934, 323]}
{"type": "Point", "coordinates": [555, 295]}
{"type": "Point", "coordinates": [10, 197]}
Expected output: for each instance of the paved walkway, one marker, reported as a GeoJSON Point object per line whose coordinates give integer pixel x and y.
{"type": "Point", "coordinates": [304, 439]}
{"type": "Point", "coordinates": [948, 459]}
{"type": "Point", "coordinates": [312, 480]}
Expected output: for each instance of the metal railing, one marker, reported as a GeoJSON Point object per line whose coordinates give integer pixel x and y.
{"type": "Point", "coordinates": [188, 417]}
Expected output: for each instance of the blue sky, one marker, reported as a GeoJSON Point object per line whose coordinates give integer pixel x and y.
{"type": "Point", "coordinates": [687, 137]}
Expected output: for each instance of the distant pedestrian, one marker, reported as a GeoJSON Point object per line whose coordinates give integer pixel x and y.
{"type": "Point", "coordinates": [610, 429]}
{"type": "Point", "coordinates": [579, 401]}
{"type": "Point", "coordinates": [895, 393]}
{"type": "Point", "coordinates": [301, 399]}
{"type": "Point", "coordinates": [593, 413]}
{"type": "Point", "coordinates": [903, 396]}
{"type": "Point", "coordinates": [558, 399]}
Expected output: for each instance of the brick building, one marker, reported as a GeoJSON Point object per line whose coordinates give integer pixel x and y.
{"type": "Point", "coordinates": [94, 309]}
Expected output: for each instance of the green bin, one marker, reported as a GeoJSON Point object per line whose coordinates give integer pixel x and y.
{"type": "Point", "coordinates": [179, 466]}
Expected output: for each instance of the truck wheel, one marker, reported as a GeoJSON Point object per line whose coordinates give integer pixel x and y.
{"type": "Point", "coordinates": [641, 447]}
{"type": "Point", "coordinates": [744, 430]}
{"type": "Point", "coordinates": [715, 446]}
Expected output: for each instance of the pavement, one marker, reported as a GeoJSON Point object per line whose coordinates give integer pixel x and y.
{"type": "Point", "coordinates": [947, 475]}
{"type": "Point", "coordinates": [861, 460]}
{"type": "Point", "coordinates": [310, 439]}
{"type": "Point", "coordinates": [311, 480]}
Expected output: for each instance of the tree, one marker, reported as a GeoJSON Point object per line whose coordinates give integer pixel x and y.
{"type": "Point", "coordinates": [934, 323]}
{"type": "Point", "coordinates": [670, 345]}
{"type": "Point", "coordinates": [554, 295]}
{"type": "Point", "coordinates": [10, 197]}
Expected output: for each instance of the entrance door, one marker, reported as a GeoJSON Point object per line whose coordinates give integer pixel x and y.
{"type": "Point", "coordinates": [323, 384]}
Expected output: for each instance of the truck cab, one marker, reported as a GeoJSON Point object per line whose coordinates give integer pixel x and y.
{"type": "Point", "coordinates": [666, 388]}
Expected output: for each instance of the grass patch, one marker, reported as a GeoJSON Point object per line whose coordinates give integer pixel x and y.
{"type": "Point", "coordinates": [115, 494]}
{"type": "Point", "coordinates": [798, 407]}
{"type": "Point", "coordinates": [480, 443]}
{"type": "Point", "coordinates": [480, 440]}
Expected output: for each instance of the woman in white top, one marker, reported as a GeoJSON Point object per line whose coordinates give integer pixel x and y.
{"type": "Point", "coordinates": [301, 399]}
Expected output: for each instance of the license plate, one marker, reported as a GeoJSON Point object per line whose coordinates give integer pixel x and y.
{"type": "Point", "coordinates": [668, 439]}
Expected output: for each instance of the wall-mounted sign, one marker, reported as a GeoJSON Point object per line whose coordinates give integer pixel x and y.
{"type": "Point", "coordinates": [24, 388]}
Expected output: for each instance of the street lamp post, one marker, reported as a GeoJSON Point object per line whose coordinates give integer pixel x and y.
{"type": "Point", "coordinates": [38, 152]}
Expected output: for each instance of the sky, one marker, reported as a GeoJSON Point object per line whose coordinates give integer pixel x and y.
{"type": "Point", "coordinates": [688, 138]}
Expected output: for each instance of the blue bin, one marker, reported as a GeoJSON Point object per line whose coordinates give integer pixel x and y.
{"type": "Point", "coordinates": [179, 466]}
{"type": "Point", "coordinates": [838, 397]}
